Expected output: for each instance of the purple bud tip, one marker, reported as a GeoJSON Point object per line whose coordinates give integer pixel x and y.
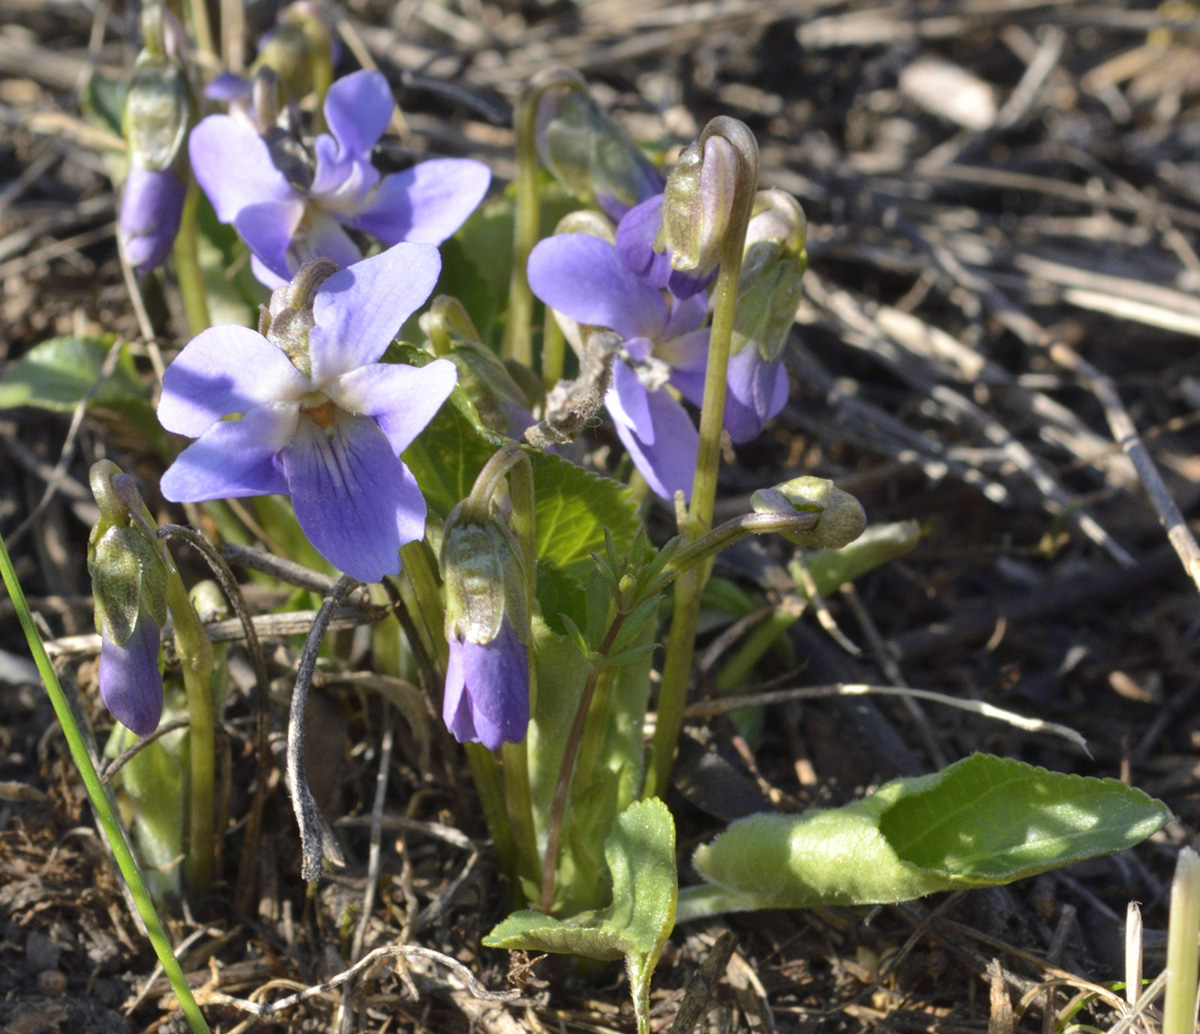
{"type": "Point", "coordinates": [487, 689]}
{"type": "Point", "coordinates": [150, 214]}
{"type": "Point", "coordinates": [131, 685]}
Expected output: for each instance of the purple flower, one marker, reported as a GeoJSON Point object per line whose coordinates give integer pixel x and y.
{"type": "Point", "coordinates": [131, 685]}
{"type": "Point", "coordinates": [289, 216]}
{"type": "Point", "coordinates": [636, 233]}
{"type": "Point", "coordinates": [151, 208]}
{"type": "Point", "coordinates": [586, 280]}
{"type": "Point", "coordinates": [331, 436]}
{"type": "Point", "coordinates": [487, 689]}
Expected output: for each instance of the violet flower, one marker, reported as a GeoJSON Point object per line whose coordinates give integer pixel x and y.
{"type": "Point", "coordinates": [131, 685]}
{"type": "Point", "coordinates": [325, 423]}
{"type": "Point", "coordinates": [151, 209]}
{"type": "Point", "coordinates": [585, 279]}
{"type": "Point", "coordinates": [288, 216]}
{"type": "Point", "coordinates": [487, 689]}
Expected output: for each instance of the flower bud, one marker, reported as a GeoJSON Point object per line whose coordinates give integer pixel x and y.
{"type": "Point", "coordinates": [487, 620]}
{"type": "Point", "coordinates": [590, 155]}
{"type": "Point", "coordinates": [697, 204]}
{"type": "Point", "coordinates": [299, 48]}
{"type": "Point", "coordinates": [502, 405]}
{"type": "Point", "coordinates": [158, 108]}
{"type": "Point", "coordinates": [158, 111]}
{"type": "Point", "coordinates": [151, 210]}
{"type": "Point", "coordinates": [841, 519]}
{"type": "Point", "coordinates": [129, 583]}
{"type": "Point", "coordinates": [289, 318]}
{"type": "Point", "coordinates": [772, 269]}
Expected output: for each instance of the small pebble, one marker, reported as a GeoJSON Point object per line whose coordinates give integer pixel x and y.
{"type": "Point", "coordinates": [52, 982]}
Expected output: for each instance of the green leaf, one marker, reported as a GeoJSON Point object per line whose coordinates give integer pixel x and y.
{"type": "Point", "coordinates": [984, 821]}
{"type": "Point", "coordinates": [574, 507]}
{"type": "Point", "coordinates": [990, 820]}
{"type": "Point", "coordinates": [641, 858]}
{"type": "Point", "coordinates": [58, 373]}
{"type": "Point", "coordinates": [561, 596]}
{"type": "Point", "coordinates": [449, 454]}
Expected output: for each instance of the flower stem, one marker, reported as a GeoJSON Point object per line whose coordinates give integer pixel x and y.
{"type": "Point", "coordinates": [690, 585]}
{"type": "Point", "coordinates": [415, 564]}
{"type": "Point", "coordinates": [1179, 1006]}
{"type": "Point", "coordinates": [518, 334]}
{"type": "Point", "coordinates": [187, 261]}
{"type": "Point", "coordinates": [100, 802]}
{"type": "Point", "coordinates": [567, 769]}
{"type": "Point", "coordinates": [196, 653]}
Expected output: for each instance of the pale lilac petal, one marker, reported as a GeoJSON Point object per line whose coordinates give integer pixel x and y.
{"type": "Point", "coordinates": [131, 685]}
{"type": "Point", "coordinates": [323, 238]}
{"type": "Point", "coordinates": [688, 358]}
{"type": "Point", "coordinates": [670, 464]}
{"type": "Point", "coordinates": [403, 399]}
{"type": "Point", "coordinates": [632, 407]}
{"type": "Point", "coordinates": [359, 310]}
{"type": "Point", "coordinates": [268, 227]}
{"type": "Point", "coordinates": [757, 391]}
{"type": "Point", "coordinates": [424, 204]}
{"type": "Point", "coordinates": [357, 503]}
{"type": "Point", "coordinates": [341, 183]}
{"type": "Point", "coordinates": [228, 86]}
{"type": "Point", "coordinates": [686, 315]}
{"type": "Point", "coordinates": [151, 208]}
{"type": "Point", "coordinates": [487, 690]}
{"type": "Point", "coordinates": [227, 369]}
{"type": "Point", "coordinates": [234, 458]}
{"type": "Point", "coordinates": [358, 108]}
{"type": "Point", "coordinates": [265, 276]}
{"type": "Point", "coordinates": [234, 167]}
{"type": "Point", "coordinates": [583, 278]}
{"type": "Point", "coordinates": [635, 244]}
{"type": "Point", "coordinates": [456, 707]}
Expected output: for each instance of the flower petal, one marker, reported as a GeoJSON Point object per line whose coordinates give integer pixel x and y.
{"type": "Point", "coordinates": [670, 463]}
{"type": "Point", "coordinates": [686, 315]}
{"type": "Point", "coordinates": [268, 227]}
{"type": "Point", "coordinates": [234, 167]}
{"type": "Point", "coordinates": [225, 370]}
{"type": "Point", "coordinates": [456, 707]}
{"type": "Point", "coordinates": [635, 244]}
{"type": "Point", "coordinates": [688, 358]}
{"type": "Point", "coordinates": [403, 399]}
{"type": "Point", "coordinates": [324, 238]}
{"type": "Point", "coordinates": [151, 208]}
{"type": "Point", "coordinates": [757, 391]}
{"type": "Point", "coordinates": [358, 108]}
{"type": "Point", "coordinates": [234, 457]}
{"type": "Point", "coordinates": [628, 403]}
{"type": "Point", "coordinates": [424, 204]}
{"type": "Point", "coordinates": [497, 685]}
{"type": "Point", "coordinates": [359, 310]}
{"type": "Point", "coordinates": [584, 278]}
{"type": "Point", "coordinates": [357, 503]}
{"type": "Point", "coordinates": [131, 685]}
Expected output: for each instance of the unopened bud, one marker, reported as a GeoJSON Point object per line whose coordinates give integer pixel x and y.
{"type": "Point", "coordinates": [841, 518]}
{"type": "Point", "coordinates": [590, 155]}
{"type": "Point", "coordinates": [697, 204]}
{"type": "Point", "coordinates": [290, 317]}
{"type": "Point", "coordinates": [772, 269]}
{"type": "Point", "coordinates": [128, 574]}
{"type": "Point", "coordinates": [485, 580]}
